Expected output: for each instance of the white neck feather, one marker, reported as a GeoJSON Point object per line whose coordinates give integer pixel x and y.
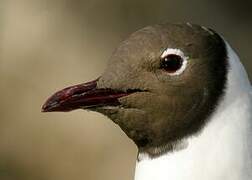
{"type": "Point", "coordinates": [223, 150]}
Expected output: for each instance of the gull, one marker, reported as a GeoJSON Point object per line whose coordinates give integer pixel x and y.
{"type": "Point", "coordinates": [180, 92]}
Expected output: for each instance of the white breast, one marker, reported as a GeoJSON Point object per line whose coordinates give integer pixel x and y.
{"type": "Point", "coordinates": [223, 150]}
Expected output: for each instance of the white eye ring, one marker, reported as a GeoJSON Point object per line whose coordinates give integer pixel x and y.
{"type": "Point", "coordinates": [178, 52]}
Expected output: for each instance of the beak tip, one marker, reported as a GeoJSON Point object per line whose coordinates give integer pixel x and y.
{"type": "Point", "coordinates": [48, 106]}
{"type": "Point", "coordinates": [44, 109]}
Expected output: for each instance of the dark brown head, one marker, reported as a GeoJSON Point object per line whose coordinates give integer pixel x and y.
{"type": "Point", "coordinates": [160, 86]}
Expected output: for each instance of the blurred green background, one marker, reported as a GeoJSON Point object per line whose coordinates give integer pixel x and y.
{"type": "Point", "coordinates": [46, 45]}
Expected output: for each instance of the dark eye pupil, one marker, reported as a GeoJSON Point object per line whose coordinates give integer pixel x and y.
{"type": "Point", "coordinates": [171, 63]}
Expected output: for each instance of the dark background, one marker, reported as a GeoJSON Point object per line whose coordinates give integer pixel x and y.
{"type": "Point", "coordinates": [46, 45]}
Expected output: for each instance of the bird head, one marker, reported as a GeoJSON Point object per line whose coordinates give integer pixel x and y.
{"type": "Point", "coordinates": [161, 85]}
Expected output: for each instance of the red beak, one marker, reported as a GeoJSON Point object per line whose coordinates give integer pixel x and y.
{"type": "Point", "coordinates": [84, 96]}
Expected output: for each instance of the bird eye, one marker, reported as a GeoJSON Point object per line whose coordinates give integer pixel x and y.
{"type": "Point", "coordinates": [171, 63]}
